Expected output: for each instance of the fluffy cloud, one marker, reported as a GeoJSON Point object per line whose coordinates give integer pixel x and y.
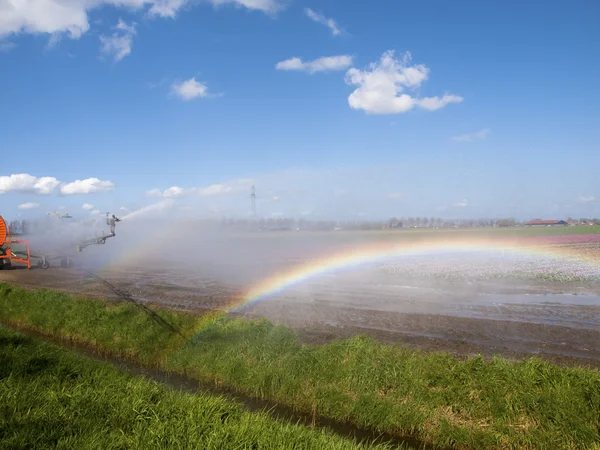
{"type": "Point", "coordinates": [28, 205]}
{"type": "Point", "coordinates": [267, 6]}
{"type": "Point", "coordinates": [207, 191]}
{"type": "Point", "coordinates": [481, 134]}
{"type": "Point", "coordinates": [319, 18]}
{"type": "Point", "coordinates": [463, 203]}
{"type": "Point", "coordinates": [28, 184]}
{"type": "Point", "coordinates": [189, 89]}
{"type": "Point", "coordinates": [87, 186]}
{"type": "Point", "coordinates": [87, 206]}
{"type": "Point", "coordinates": [176, 192]}
{"type": "Point", "coordinates": [166, 8]}
{"type": "Point", "coordinates": [154, 193]}
{"type": "Point", "coordinates": [62, 17]}
{"type": "Point", "coordinates": [326, 63]}
{"type": "Point", "coordinates": [119, 44]}
{"type": "Point", "coordinates": [381, 87]}
{"type": "Point", "coordinates": [24, 183]}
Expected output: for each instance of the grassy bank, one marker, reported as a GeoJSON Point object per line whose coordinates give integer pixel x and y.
{"type": "Point", "coordinates": [469, 403]}
{"type": "Point", "coordinates": [53, 398]}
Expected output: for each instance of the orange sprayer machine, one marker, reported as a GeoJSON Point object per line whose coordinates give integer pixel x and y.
{"type": "Point", "coordinates": [8, 254]}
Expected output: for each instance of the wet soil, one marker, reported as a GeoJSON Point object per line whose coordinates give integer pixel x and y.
{"type": "Point", "coordinates": [460, 319]}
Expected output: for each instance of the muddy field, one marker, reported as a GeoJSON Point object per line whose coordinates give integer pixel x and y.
{"type": "Point", "coordinates": [447, 304]}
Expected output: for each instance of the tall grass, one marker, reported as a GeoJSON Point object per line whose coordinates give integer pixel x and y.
{"type": "Point", "coordinates": [470, 403]}
{"type": "Point", "coordinates": [53, 398]}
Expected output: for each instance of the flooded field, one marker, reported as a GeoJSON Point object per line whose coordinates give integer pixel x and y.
{"type": "Point", "coordinates": [538, 301]}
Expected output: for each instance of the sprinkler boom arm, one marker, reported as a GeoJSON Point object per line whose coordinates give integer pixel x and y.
{"type": "Point", "coordinates": [102, 239]}
{"type": "Point", "coordinates": [94, 241]}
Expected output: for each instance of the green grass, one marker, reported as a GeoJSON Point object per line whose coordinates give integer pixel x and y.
{"type": "Point", "coordinates": [53, 398]}
{"type": "Point", "coordinates": [470, 403]}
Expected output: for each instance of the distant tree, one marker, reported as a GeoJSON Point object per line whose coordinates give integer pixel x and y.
{"type": "Point", "coordinates": [393, 222]}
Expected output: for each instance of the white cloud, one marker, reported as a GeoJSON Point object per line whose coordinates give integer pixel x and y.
{"type": "Point", "coordinates": [206, 191]}
{"type": "Point", "coordinates": [326, 63]}
{"type": "Point", "coordinates": [44, 16]}
{"type": "Point", "coordinates": [87, 186]}
{"type": "Point", "coordinates": [339, 192]}
{"type": "Point", "coordinates": [381, 86]}
{"type": "Point", "coordinates": [166, 8]}
{"type": "Point", "coordinates": [28, 205]}
{"type": "Point", "coordinates": [481, 134]}
{"type": "Point", "coordinates": [123, 209]}
{"type": "Point", "coordinates": [95, 212]}
{"type": "Point", "coordinates": [87, 206]}
{"type": "Point", "coordinates": [70, 17]}
{"type": "Point", "coordinates": [119, 44]}
{"type": "Point", "coordinates": [320, 18]}
{"type": "Point", "coordinates": [24, 183]}
{"type": "Point", "coordinates": [189, 89]}
{"type": "Point", "coordinates": [463, 203]}
{"type": "Point", "coordinates": [176, 192]}
{"type": "Point", "coordinates": [28, 184]}
{"type": "Point", "coordinates": [586, 198]}
{"type": "Point", "coordinates": [154, 193]}
{"type": "Point", "coordinates": [267, 6]}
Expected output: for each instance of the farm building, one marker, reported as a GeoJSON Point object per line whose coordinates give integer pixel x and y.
{"type": "Point", "coordinates": [545, 223]}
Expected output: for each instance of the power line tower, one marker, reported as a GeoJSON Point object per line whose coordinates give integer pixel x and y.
{"type": "Point", "coordinates": [253, 201]}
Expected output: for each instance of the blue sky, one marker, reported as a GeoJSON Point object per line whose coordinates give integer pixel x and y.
{"type": "Point", "coordinates": [331, 108]}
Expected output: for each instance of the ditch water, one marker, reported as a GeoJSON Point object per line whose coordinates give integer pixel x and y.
{"type": "Point", "coordinates": [276, 411]}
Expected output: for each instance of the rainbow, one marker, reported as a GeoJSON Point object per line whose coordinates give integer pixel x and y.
{"type": "Point", "coordinates": [372, 253]}
{"type": "Point", "coordinates": [380, 252]}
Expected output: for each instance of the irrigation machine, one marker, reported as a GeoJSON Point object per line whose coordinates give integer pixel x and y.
{"type": "Point", "coordinates": [16, 250]}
